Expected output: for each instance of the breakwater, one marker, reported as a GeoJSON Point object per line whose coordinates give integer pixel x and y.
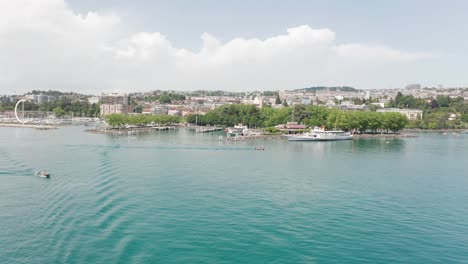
{"type": "Point", "coordinates": [254, 137]}
{"type": "Point", "coordinates": [207, 129]}
{"type": "Point", "coordinates": [26, 125]}
{"type": "Point", "coordinates": [128, 131]}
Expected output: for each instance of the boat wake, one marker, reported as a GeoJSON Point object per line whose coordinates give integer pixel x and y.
{"type": "Point", "coordinates": [165, 147]}
{"type": "Point", "coordinates": [10, 166]}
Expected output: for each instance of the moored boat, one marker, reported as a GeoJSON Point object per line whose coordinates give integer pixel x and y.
{"type": "Point", "coordinates": [238, 130]}
{"type": "Point", "coordinates": [320, 134]}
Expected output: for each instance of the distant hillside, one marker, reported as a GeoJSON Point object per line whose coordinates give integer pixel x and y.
{"type": "Point", "coordinates": [331, 88]}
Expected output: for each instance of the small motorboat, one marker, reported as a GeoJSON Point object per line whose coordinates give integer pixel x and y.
{"type": "Point", "coordinates": [42, 174]}
{"type": "Point", "coordinates": [259, 148]}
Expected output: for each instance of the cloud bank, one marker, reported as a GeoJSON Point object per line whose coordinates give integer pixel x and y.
{"type": "Point", "coordinates": [46, 45]}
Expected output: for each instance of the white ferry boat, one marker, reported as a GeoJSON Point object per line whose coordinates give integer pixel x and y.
{"type": "Point", "coordinates": [239, 130]}
{"type": "Point", "coordinates": [320, 134]}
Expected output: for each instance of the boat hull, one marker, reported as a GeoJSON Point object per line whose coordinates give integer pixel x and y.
{"type": "Point", "coordinates": [320, 134]}
{"type": "Point", "coordinates": [320, 137]}
{"type": "Point", "coordinates": [293, 138]}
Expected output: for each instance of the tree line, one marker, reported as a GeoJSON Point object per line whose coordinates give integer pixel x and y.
{"type": "Point", "coordinates": [436, 111]}
{"type": "Point", "coordinates": [60, 108]}
{"type": "Point", "coordinates": [119, 120]}
{"type": "Point", "coordinates": [267, 117]}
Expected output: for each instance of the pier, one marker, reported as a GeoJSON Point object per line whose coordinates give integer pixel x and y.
{"type": "Point", "coordinates": [129, 131]}
{"type": "Point", "coordinates": [252, 137]}
{"type": "Point", "coordinates": [207, 129]}
{"type": "Point", "coordinates": [26, 125]}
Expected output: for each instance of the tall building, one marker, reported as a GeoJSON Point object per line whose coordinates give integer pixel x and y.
{"type": "Point", "coordinates": [115, 104]}
{"type": "Point", "coordinates": [413, 86]}
{"type": "Point", "coordinates": [115, 99]}
{"type": "Point", "coordinates": [42, 98]}
{"type": "Point", "coordinates": [367, 95]}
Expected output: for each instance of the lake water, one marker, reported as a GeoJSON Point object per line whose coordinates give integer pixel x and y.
{"type": "Point", "coordinates": [181, 197]}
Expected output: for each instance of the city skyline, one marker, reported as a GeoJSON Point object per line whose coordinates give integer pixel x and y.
{"type": "Point", "coordinates": [117, 46]}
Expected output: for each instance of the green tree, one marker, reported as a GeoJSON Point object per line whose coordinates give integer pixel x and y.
{"type": "Point", "coordinates": [164, 99]}
{"type": "Point", "coordinates": [443, 101]}
{"type": "Point", "coordinates": [277, 100]}
{"type": "Point", "coordinates": [59, 112]}
{"type": "Point", "coordinates": [464, 118]}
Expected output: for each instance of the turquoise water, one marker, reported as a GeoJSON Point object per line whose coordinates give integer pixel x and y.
{"type": "Point", "coordinates": [181, 197]}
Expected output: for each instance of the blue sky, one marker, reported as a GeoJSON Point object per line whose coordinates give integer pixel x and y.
{"type": "Point", "coordinates": [105, 45]}
{"type": "Point", "coordinates": [413, 25]}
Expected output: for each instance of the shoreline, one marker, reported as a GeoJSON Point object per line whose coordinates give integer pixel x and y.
{"type": "Point", "coordinates": [405, 133]}
{"type": "Point", "coordinates": [128, 131]}
{"type": "Point", "coordinates": [355, 136]}
{"type": "Point", "coordinates": [358, 136]}
{"type": "Point", "coordinates": [26, 125]}
{"type": "Point", "coordinates": [419, 130]}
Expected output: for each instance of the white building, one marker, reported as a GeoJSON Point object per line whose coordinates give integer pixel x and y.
{"type": "Point", "coordinates": [31, 98]}
{"type": "Point", "coordinates": [368, 95]}
{"type": "Point", "coordinates": [412, 114]}
{"type": "Point", "coordinates": [93, 100]}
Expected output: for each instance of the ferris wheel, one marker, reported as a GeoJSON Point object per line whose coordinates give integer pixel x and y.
{"type": "Point", "coordinates": [16, 111]}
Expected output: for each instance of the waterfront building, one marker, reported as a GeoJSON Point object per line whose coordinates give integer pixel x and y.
{"type": "Point", "coordinates": [291, 127]}
{"type": "Point", "coordinates": [412, 114]}
{"type": "Point", "coordinates": [108, 109]}
{"type": "Point", "coordinates": [115, 104]}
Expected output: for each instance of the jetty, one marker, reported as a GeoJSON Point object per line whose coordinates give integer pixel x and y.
{"type": "Point", "coordinates": [30, 125]}
{"type": "Point", "coordinates": [253, 137]}
{"type": "Point", "coordinates": [207, 129]}
{"type": "Point", "coordinates": [129, 131]}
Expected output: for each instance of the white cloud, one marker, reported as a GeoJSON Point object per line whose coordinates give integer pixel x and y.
{"type": "Point", "coordinates": [45, 45]}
